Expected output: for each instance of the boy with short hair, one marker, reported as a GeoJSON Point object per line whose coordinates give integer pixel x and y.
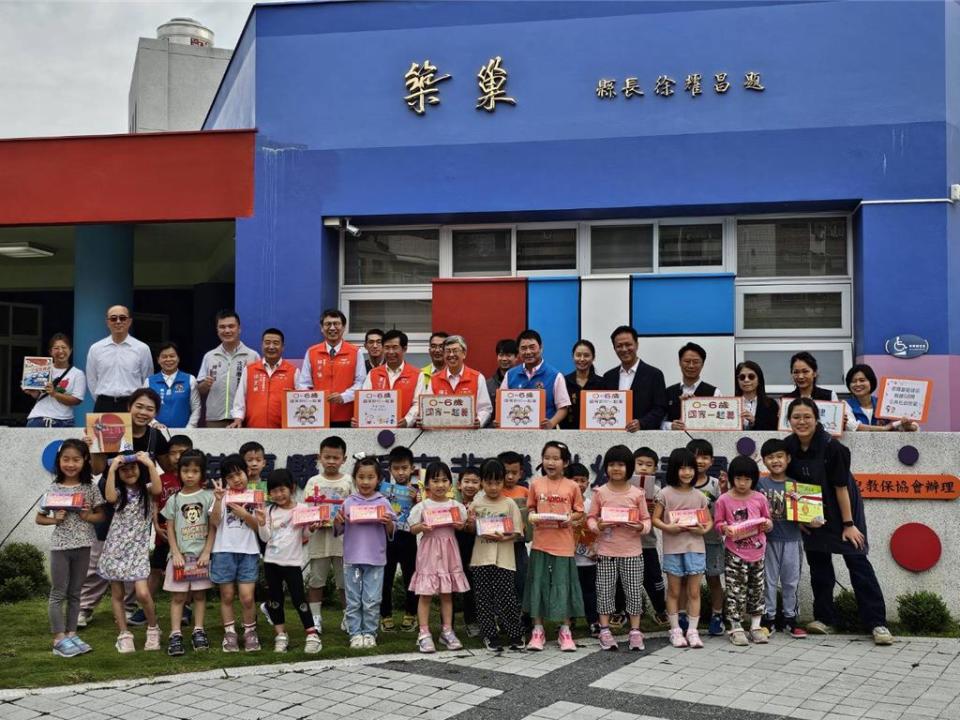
{"type": "Point", "coordinates": [645, 464]}
{"type": "Point", "coordinates": [468, 488]}
{"type": "Point", "coordinates": [784, 553]}
{"type": "Point", "coordinates": [514, 489]}
{"type": "Point", "coordinates": [255, 457]}
{"type": "Point", "coordinates": [325, 547]}
{"type": "Point", "coordinates": [402, 547]}
{"type": "Point", "coordinates": [712, 488]}
{"type": "Point", "coordinates": [585, 552]}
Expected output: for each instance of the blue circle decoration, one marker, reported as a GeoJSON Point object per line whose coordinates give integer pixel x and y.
{"type": "Point", "coordinates": [908, 455]}
{"type": "Point", "coordinates": [49, 456]}
{"type": "Point", "coordinates": [746, 446]}
{"type": "Point", "coordinates": [386, 439]}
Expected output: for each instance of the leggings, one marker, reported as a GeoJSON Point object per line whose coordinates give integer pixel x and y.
{"type": "Point", "coordinates": [402, 551]}
{"type": "Point", "coordinates": [496, 599]}
{"type": "Point", "coordinates": [68, 569]}
{"type": "Point", "coordinates": [276, 576]}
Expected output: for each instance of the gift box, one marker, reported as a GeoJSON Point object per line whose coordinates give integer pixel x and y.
{"type": "Point", "coordinates": [442, 517]}
{"type": "Point", "coordinates": [746, 528]}
{"type": "Point", "coordinates": [549, 519]}
{"type": "Point", "coordinates": [690, 518]}
{"type": "Point", "coordinates": [494, 525]}
{"type": "Point", "coordinates": [244, 497]}
{"type": "Point", "coordinates": [366, 513]}
{"type": "Point", "coordinates": [62, 501]}
{"type": "Point", "coordinates": [190, 570]}
{"type": "Point", "coordinates": [620, 515]}
{"type": "Point", "coordinates": [804, 503]}
{"type": "Point", "coordinates": [310, 514]}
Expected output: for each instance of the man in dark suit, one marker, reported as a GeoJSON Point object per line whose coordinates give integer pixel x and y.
{"type": "Point", "coordinates": [646, 381]}
{"type": "Point", "coordinates": [692, 358]}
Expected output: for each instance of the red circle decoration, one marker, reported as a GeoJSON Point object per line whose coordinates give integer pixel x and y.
{"type": "Point", "coordinates": [915, 546]}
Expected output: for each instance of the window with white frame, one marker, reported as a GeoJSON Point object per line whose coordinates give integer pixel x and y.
{"type": "Point", "coordinates": [621, 248]}
{"type": "Point", "coordinates": [661, 246]}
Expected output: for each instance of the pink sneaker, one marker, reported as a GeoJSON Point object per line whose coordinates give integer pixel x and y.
{"type": "Point", "coordinates": [537, 639]}
{"type": "Point", "coordinates": [607, 641]}
{"type": "Point", "coordinates": [677, 639]}
{"type": "Point", "coordinates": [565, 640]}
{"type": "Point", "coordinates": [636, 640]}
{"type": "Point", "coordinates": [693, 639]}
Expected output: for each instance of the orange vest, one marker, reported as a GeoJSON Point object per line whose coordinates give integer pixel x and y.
{"type": "Point", "coordinates": [265, 394]}
{"type": "Point", "coordinates": [469, 382]}
{"type": "Point", "coordinates": [406, 383]}
{"type": "Point", "coordinates": [334, 376]}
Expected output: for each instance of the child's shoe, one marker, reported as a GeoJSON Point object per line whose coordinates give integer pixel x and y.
{"type": "Point", "coordinates": [153, 638]}
{"type": "Point", "coordinates": [356, 642]}
{"type": "Point", "coordinates": [818, 628]}
{"type": "Point", "coordinates": [137, 618]}
{"type": "Point", "coordinates": [450, 640]}
{"type": "Point", "coordinates": [124, 643]}
{"type": "Point", "coordinates": [312, 645]}
{"type": "Point", "coordinates": [517, 645]}
{"type": "Point", "coordinates": [408, 624]}
{"type": "Point", "coordinates": [80, 644]}
{"type": "Point", "coordinates": [738, 637]}
{"type": "Point", "coordinates": [792, 629]}
{"type": "Point", "coordinates": [716, 625]}
{"type": "Point", "coordinates": [636, 641]}
{"type": "Point", "coordinates": [537, 639]}
{"type": "Point", "coordinates": [493, 645]}
{"type": "Point", "coordinates": [387, 624]}
{"type": "Point", "coordinates": [282, 642]}
{"type": "Point", "coordinates": [677, 639]}
{"type": "Point", "coordinates": [66, 648]}
{"type": "Point", "coordinates": [473, 630]}
{"type": "Point", "coordinates": [84, 618]}
{"type": "Point", "coordinates": [369, 641]}
{"type": "Point", "coordinates": [693, 639]}
{"type": "Point", "coordinates": [768, 624]}
{"type": "Point", "coordinates": [199, 639]}
{"type": "Point", "coordinates": [595, 630]}
{"type": "Point", "coordinates": [607, 641]}
{"type": "Point", "coordinates": [230, 643]}
{"type": "Point", "coordinates": [617, 621]}
{"type": "Point", "coordinates": [565, 640]}
{"type": "Point", "coordinates": [425, 644]}
{"type": "Point", "coordinates": [175, 645]}
{"type": "Point", "coordinates": [882, 636]}
{"type": "Point", "coordinates": [251, 641]}
{"type": "Point", "coordinates": [758, 636]}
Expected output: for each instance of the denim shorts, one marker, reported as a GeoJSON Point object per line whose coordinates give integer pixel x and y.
{"type": "Point", "coordinates": [228, 567]}
{"type": "Point", "coordinates": [682, 564]}
{"type": "Point", "coordinates": [715, 560]}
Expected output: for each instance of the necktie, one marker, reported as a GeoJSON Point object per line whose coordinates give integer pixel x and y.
{"type": "Point", "coordinates": [333, 353]}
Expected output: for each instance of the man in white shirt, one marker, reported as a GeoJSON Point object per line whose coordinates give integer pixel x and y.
{"type": "Point", "coordinates": [334, 366]}
{"type": "Point", "coordinates": [692, 359]}
{"type": "Point", "coordinates": [645, 381]}
{"type": "Point", "coordinates": [221, 368]}
{"type": "Point", "coordinates": [118, 364]}
{"type": "Point", "coordinates": [534, 373]}
{"type": "Point", "coordinates": [458, 379]}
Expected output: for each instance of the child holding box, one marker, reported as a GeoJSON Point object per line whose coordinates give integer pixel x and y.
{"type": "Point", "coordinates": [743, 519]}
{"type": "Point", "coordinates": [585, 554]}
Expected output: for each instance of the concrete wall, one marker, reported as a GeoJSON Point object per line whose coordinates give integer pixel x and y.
{"type": "Point", "coordinates": [24, 480]}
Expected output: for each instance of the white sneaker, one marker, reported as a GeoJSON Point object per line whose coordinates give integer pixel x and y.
{"type": "Point", "coordinates": [356, 642]}
{"type": "Point", "coordinates": [84, 618]}
{"type": "Point", "coordinates": [281, 643]}
{"type": "Point", "coordinates": [369, 641]}
{"type": "Point", "coordinates": [313, 644]}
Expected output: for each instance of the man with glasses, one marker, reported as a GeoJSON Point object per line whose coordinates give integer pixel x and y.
{"type": "Point", "coordinates": [457, 379]}
{"type": "Point", "coordinates": [692, 358]}
{"type": "Point", "coordinates": [373, 344]}
{"type": "Point", "coordinates": [118, 364]}
{"type": "Point", "coordinates": [334, 366]}
{"type": "Point", "coordinates": [436, 363]}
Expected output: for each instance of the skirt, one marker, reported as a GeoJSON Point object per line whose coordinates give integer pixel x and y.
{"type": "Point", "coordinates": [439, 570]}
{"type": "Point", "coordinates": [553, 587]}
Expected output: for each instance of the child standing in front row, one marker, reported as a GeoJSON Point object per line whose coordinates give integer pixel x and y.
{"type": "Point", "coordinates": [364, 553]}
{"type": "Point", "coordinates": [402, 546]}
{"type": "Point", "coordinates": [585, 552]}
{"type": "Point", "coordinates": [645, 469]}
{"type": "Point", "coordinates": [684, 554]}
{"type": "Point", "coordinates": [439, 570]}
{"type": "Point", "coordinates": [712, 488]}
{"type": "Point", "coordinates": [126, 551]}
{"type": "Point", "coordinates": [468, 487]}
{"type": "Point", "coordinates": [73, 534]}
{"type": "Point", "coordinates": [744, 555]}
{"type": "Point", "coordinates": [283, 560]}
{"type": "Point", "coordinates": [553, 588]}
{"type": "Point", "coordinates": [619, 552]}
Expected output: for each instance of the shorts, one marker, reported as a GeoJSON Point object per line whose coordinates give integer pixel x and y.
{"type": "Point", "coordinates": [180, 586]}
{"type": "Point", "coordinates": [683, 564]}
{"type": "Point", "coordinates": [228, 567]}
{"type": "Point", "coordinates": [319, 568]}
{"type": "Point", "coordinates": [715, 562]}
{"type": "Point", "coordinates": [158, 558]}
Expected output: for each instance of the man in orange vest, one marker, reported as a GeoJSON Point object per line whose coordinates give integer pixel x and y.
{"type": "Point", "coordinates": [395, 374]}
{"type": "Point", "coordinates": [458, 379]}
{"type": "Point", "coordinates": [263, 386]}
{"type": "Point", "coordinates": [334, 366]}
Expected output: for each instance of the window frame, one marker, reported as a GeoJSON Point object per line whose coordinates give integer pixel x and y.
{"type": "Point", "coordinates": [341, 261]}
{"type": "Point", "coordinates": [848, 275]}
{"type": "Point", "coordinates": [819, 287]}
{"type": "Point", "coordinates": [742, 348]}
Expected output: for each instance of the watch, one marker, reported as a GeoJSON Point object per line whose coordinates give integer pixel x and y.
{"type": "Point", "coordinates": [848, 523]}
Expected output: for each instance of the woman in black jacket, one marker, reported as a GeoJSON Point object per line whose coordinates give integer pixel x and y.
{"type": "Point", "coordinates": [803, 369]}
{"type": "Point", "coordinates": [583, 378]}
{"type": "Point", "coordinates": [760, 412]}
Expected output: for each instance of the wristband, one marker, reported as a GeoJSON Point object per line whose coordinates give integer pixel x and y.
{"type": "Point", "coordinates": [848, 523]}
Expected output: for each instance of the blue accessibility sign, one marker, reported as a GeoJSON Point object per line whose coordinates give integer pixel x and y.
{"type": "Point", "coordinates": [907, 346]}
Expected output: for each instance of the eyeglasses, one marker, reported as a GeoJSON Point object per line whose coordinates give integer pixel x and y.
{"type": "Point", "coordinates": [118, 318]}
{"type": "Point", "coordinates": [746, 376]}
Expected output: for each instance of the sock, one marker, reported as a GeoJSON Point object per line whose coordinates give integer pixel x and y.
{"type": "Point", "coordinates": [564, 626]}
{"type": "Point", "coordinates": [315, 608]}
{"type": "Point", "coordinates": [230, 629]}
{"type": "Point", "coordinates": [604, 627]}
{"type": "Point", "coordinates": [538, 627]}
{"type": "Point", "coordinates": [755, 622]}
{"type": "Point", "coordinates": [312, 631]}
{"type": "Point", "coordinates": [251, 626]}
{"type": "Point", "coordinates": [198, 627]}
{"type": "Point", "coordinates": [693, 621]}
{"type": "Point", "coordinates": [175, 632]}
{"type": "Point", "coordinates": [446, 628]}
{"type": "Point", "coordinates": [424, 629]}
{"type": "Point", "coordinates": [674, 621]}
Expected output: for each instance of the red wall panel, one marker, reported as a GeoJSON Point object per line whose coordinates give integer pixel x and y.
{"type": "Point", "coordinates": [483, 310]}
{"type": "Point", "coordinates": [127, 178]}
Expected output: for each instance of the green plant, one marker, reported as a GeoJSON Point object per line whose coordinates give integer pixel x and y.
{"type": "Point", "coordinates": [23, 573]}
{"type": "Point", "coordinates": [848, 615]}
{"type": "Point", "coordinates": [923, 612]}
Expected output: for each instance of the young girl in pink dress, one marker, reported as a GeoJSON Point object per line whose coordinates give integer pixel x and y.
{"type": "Point", "coordinates": [439, 570]}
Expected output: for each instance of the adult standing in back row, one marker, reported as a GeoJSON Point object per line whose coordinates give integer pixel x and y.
{"type": "Point", "coordinates": [645, 381]}
{"type": "Point", "coordinates": [334, 366]}
{"type": "Point", "coordinates": [118, 365]}
{"type": "Point", "coordinates": [692, 359]}
{"type": "Point", "coordinates": [535, 374]}
{"type": "Point", "coordinates": [221, 368]}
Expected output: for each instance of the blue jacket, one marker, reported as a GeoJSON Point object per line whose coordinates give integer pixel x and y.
{"type": "Point", "coordinates": [174, 400]}
{"type": "Point", "coordinates": [543, 379]}
{"type": "Point", "coordinates": [861, 416]}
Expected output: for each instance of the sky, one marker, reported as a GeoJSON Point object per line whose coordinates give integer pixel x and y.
{"type": "Point", "coordinates": [65, 66]}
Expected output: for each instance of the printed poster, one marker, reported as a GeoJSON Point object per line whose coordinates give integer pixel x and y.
{"type": "Point", "coordinates": [37, 372]}
{"type": "Point", "coordinates": [305, 409]}
{"type": "Point", "coordinates": [447, 412]}
{"type": "Point", "coordinates": [377, 408]}
{"type": "Point", "coordinates": [605, 409]}
{"type": "Point", "coordinates": [402, 498]}
{"type": "Point", "coordinates": [520, 409]}
{"type": "Point", "coordinates": [904, 398]}
{"type": "Point", "coordinates": [111, 432]}
{"type": "Point", "coordinates": [831, 415]}
{"type": "Point", "coordinates": [712, 413]}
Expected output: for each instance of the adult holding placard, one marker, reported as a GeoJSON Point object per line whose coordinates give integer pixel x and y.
{"type": "Point", "coordinates": [644, 381]}
{"type": "Point", "coordinates": [263, 386]}
{"type": "Point", "coordinates": [118, 364]}
{"type": "Point", "coordinates": [760, 412]}
{"type": "Point", "coordinates": [396, 374]}
{"type": "Point", "coordinates": [861, 407]}
{"type": "Point", "coordinates": [818, 459]}
{"type": "Point", "coordinates": [334, 366]}
{"type": "Point", "coordinates": [692, 359]}
{"type": "Point", "coordinates": [534, 374]}
{"type": "Point", "coordinates": [584, 377]}
{"type": "Point", "coordinates": [54, 404]}
{"type": "Point", "coordinates": [457, 379]}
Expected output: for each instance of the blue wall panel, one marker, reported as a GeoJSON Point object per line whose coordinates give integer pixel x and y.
{"type": "Point", "coordinates": [553, 310]}
{"type": "Point", "coordinates": [695, 304]}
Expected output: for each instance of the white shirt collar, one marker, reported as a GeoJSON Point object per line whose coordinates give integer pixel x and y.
{"type": "Point", "coordinates": [631, 370]}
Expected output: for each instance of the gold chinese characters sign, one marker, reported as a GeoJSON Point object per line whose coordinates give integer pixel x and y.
{"type": "Point", "coordinates": [422, 80]}
{"type": "Point", "coordinates": [664, 85]}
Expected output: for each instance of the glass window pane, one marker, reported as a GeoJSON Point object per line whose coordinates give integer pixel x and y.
{"type": "Point", "coordinates": [792, 247]}
{"type": "Point", "coordinates": [776, 365]}
{"type": "Point", "coordinates": [547, 249]}
{"type": "Point", "coordinates": [691, 245]}
{"type": "Point", "coordinates": [621, 248]}
{"type": "Point", "coordinates": [484, 252]}
{"type": "Point", "coordinates": [801, 311]}
{"type": "Point", "coordinates": [411, 316]}
{"type": "Point", "coordinates": [26, 320]}
{"type": "Point", "coordinates": [4, 320]}
{"type": "Point", "coordinates": [391, 257]}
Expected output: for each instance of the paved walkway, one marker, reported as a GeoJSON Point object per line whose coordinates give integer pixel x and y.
{"type": "Point", "coordinates": [840, 677]}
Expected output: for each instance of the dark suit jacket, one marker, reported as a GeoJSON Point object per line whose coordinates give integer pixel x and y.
{"type": "Point", "coordinates": [767, 415]}
{"type": "Point", "coordinates": [649, 394]}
